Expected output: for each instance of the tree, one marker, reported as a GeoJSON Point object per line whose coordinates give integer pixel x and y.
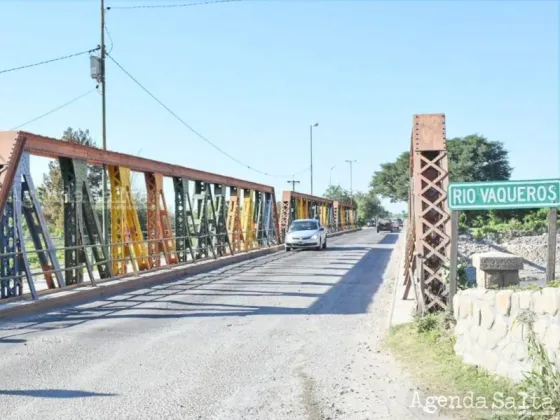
{"type": "Point", "coordinates": [470, 158]}
{"type": "Point", "coordinates": [337, 193]}
{"type": "Point", "coordinates": [141, 203]}
{"type": "Point", "coordinates": [393, 179]}
{"type": "Point", "coordinates": [369, 205]}
{"type": "Point", "coordinates": [50, 196]}
{"type": "Point", "coordinates": [95, 173]}
{"type": "Point", "coordinates": [50, 192]}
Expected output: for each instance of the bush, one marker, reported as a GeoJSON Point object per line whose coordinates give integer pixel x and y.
{"type": "Point", "coordinates": [496, 222]}
{"type": "Point", "coordinates": [544, 379]}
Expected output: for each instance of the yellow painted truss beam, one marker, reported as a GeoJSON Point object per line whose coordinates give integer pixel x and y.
{"type": "Point", "coordinates": [127, 241]}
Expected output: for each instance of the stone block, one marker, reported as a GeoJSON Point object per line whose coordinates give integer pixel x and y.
{"type": "Point", "coordinates": [503, 302]}
{"type": "Point", "coordinates": [537, 302]}
{"type": "Point", "coordinates": [497, 261]}
{"type": "Point", "coordinates": [487, 341]}
{"type": "Point", "coordinates": [488, 280]}
{"type": "Point", "coordinates": [514, 352]}
{"type": "Point", "coordinates": [476, 313]}
{"type": "Point", "coordinates": [550, 300]}
{"type": "Point", "coordinates": [541, 327]}
{"type": "Point", "coordinates": [514, 311]}
{"type": "Point", "coordinates": [493, 279]}
{"type": "Point", "coordinates": [499, 329]}
{"type": "Point", "coordinates": [486, 316]}
{"type": "Point", "coordinates": [460, 329]}
{"type": "Point", "coordinates": [475, 333]}
{"type": "Point", "coordinates": [456, 300]}
{"type": "Point", "coordinates": [525, 299]}
{"type": "Point", "coordinates": [490, 360]}
{"type": "Point", "coordinates": [510, 278]}
{"type": "Point", "coordinates": [518, 331]}
{"type": "Point", "coordinates": [552, 338]}
{"type": "Point", "coordinates": [465, 307]}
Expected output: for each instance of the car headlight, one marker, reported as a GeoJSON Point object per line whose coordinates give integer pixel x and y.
{"type": "Point", "coordinates": [316, 236]}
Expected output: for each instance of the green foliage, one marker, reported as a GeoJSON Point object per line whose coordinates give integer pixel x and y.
{"type": "Point", "coordinates": [141, 204]}
{"type": "Point", "coordinates": [471, 158]}
{"type": "Point", "coordinates": [51, 191]}
{"type": "Point", "coordinates": [536, 222]}
{"type": "Point", "coordinates": [337, 193]}
{"type": "Point", "coordinates": [369, 205]}
{"type": "Point", "coordinates": [463, 282]}
{"type": "Point", "coordinates": [393, 179]}
{"type": "Point", "coordinates": [427, 323]}
{"type": "Point", "coordinates": [544, 379]}
{"type": "Point", "coordinates": [50, 196]}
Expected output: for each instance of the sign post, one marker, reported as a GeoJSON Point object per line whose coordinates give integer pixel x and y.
{"type": "Point", "coordinates": [552, 232]}
{"type": "Point", "coordinates": [502, 195]}
{"type": "Point", "coordinates": [453, 258]}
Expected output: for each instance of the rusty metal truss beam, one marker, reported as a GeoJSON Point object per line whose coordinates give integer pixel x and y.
{"type": "Point", "coordinates": [429, 217]}
{"type": "Point", "coordinates": [54, 148]}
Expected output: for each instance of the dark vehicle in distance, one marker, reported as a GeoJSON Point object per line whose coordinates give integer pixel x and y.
{"type": "Point", "coordinates": [370, 223]}
{"type": "Point", "coordinates": [385, 225]}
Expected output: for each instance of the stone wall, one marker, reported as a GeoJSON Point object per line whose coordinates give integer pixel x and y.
{"type": "Point", "coordinates": [487, 335]}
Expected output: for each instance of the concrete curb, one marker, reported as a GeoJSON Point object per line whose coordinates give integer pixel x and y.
{"type": "Point", "coordinates": [401, 310]}
{"type": "Point", "coordinates": [86, 293]}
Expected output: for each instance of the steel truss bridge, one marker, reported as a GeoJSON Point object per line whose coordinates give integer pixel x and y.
{"type": "Point", "coordinates": [215, 216]}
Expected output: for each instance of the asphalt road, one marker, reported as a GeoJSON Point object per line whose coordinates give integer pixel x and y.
{"type": "Point", "coordinates": [294, 335]}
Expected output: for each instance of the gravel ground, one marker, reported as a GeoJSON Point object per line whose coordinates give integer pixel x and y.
{"type": "Point", "coordinates": [532, 248]}
{"type": "Point", "coordinates": [288, 336]}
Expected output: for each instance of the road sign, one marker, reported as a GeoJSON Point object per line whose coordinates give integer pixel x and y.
{"type": "Point", "coordinates": [504, 195]}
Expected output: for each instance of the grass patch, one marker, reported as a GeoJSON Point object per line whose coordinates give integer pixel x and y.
{"type": "Point", "coordinates": [425, 348]}
{"type": "Point", "coordinates": [517, 288]}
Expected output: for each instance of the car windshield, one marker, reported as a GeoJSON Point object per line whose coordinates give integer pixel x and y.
{"type": "Point", "coordinates": [307, 225]}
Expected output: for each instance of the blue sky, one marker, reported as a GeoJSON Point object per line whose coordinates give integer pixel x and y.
{"type": "Point", "coordinates": [252, 76]}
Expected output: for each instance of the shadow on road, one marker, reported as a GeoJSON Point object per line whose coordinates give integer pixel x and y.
{"type": "Point", "coordinates": [342, 290]}
{"type": "Point", "coordinates": [54, 393]}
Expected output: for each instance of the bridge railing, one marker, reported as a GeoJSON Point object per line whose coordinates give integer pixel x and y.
{"type": "Point", "coordinates": [215, 216]}
{"type": "Point", "coordinates": [335, 216]}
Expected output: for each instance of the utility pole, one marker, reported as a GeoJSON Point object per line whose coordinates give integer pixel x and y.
{"type": "Point", "coordinates": [294, 182]}
{"type": "Point", "coordinates": [105, 218]}
{"type": "Point", "coordinates": [311, 150]}
{"type": "Point", "coordinates": [330, 175]}
{"type": "Point", "coordinates": [351, 162]}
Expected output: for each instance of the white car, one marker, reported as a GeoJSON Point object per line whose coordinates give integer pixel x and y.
{"type": "Point", "coordinates": [306, 233]}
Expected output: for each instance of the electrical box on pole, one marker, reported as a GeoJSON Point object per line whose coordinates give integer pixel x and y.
{"type": "Point", "coordinates": [96, 69]}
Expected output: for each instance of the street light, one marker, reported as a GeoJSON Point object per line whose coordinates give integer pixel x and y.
{"type": "Point", "coordinates": [330, 175]}
{"type": "Point", "coordinates": [351, 162]}
{"type": "Point", "coordinates": [311, 149]}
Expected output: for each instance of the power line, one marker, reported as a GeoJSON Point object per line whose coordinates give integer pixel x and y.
{"type": "Point", "coordinates": [167, 6]}
{"type": "Point", "coordinates": [192, 129]}
{"type": "Point", "coordinates": [71, 101]}
{"type": "Point", "coordinates": [110, 39]}
{"type": "Point", "coordinates": [49, 61]}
